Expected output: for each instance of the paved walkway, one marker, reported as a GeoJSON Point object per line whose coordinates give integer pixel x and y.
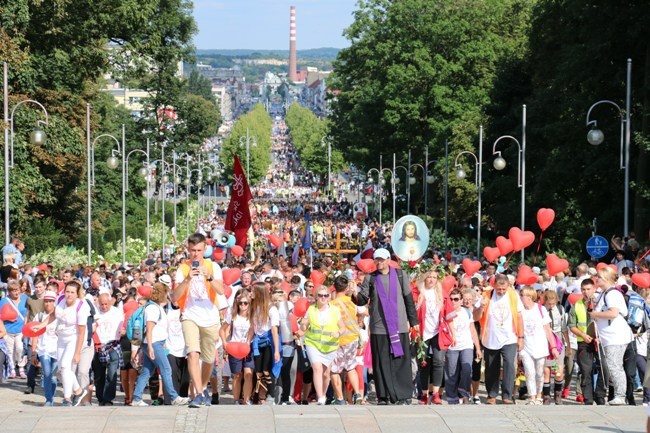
{"type": "Point", "coordinates": [20, 413]}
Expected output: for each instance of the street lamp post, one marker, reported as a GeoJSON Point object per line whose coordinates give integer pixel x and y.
{"type": "Point", "coordinates": [427, 177]}
{"type": "Point", "coordinates": [595, 137]}
{"type": "Point", "coordinates": [478, 181]}
{"type": "Point", "coordinates": [500, 163]}
{"type": "Point", "coordinates": [326, 142]}
{"type": "Point", "coordinates": [112, 162]}
{"type": "Point", "coordinates": [37, 137]}
{"type": "Point", "coordinates": [250, 140]}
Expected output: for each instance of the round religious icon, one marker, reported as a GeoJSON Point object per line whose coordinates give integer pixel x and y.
{"type": "Point", "coordinates": [410, 238]}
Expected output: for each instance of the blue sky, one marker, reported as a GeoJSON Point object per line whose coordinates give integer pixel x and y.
{"type": "Point", "coordinates": [264, 24]}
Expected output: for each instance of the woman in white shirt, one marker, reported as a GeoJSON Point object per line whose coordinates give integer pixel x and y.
{"type": "Point", "coordinates": [537, 339]}
{"type": "Point", "coordinates": [237, 328]}
{"type": "Point", "coordinates": [458, 362]}
{"type": "Point", "coordinates": [153, 345]}
{"type": "Point", "coordinates": [266, 341]}
{"type": "Point", "coordinates": [428, 310]}
{"type": "Point", "coordinates": [45, 348]}
{"type": "Point", "coordinates": [613, 330]}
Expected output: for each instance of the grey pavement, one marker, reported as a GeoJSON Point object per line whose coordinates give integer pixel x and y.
{"type": "Point", "coordinates": [20, 413]}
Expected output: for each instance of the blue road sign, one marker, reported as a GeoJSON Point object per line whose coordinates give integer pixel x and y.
{"type": "Point", "coordinates": [597, 247]}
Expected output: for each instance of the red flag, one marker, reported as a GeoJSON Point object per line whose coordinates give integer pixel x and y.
{"type": "Point", "coordinates": [238, 218]}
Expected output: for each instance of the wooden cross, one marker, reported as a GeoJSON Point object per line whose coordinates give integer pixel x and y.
{"type": "Point", "coordinates": [338, 250]}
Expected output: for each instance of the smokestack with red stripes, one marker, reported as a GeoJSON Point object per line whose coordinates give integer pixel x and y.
{"type": "Point", "coordinates": [293, 76]}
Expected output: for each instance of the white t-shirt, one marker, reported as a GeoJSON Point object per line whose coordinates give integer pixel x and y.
{"type": "Point", "coordinates": [155, 313]}
{"type": "Point", "coordinates": [500, 331]}
{"type": "Point", "coordinates": [198, 306]}
{"type": "Point", "coordinates": [239, 327]}
{"type": "Point", "coordinates": [47, 341]}
{"type": "Point", "coordinates": [432, 318]}
{"type": "Point", "coordinates": [535, 340]}
{"type": "Point", "coordinates": [615, 331]}
{"type": "Point", "coordinates": [274, 320]}
{"type": "Point", "coordinates": [68, 317]}
{"type": "Point", "coordinates": [462, 323]}
{"type": "Point", "coordinates": [109, 325]}
{"type": "Point", "coordinates": [175, 340]}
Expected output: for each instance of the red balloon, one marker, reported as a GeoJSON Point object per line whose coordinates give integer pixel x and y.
{"type": "Point", "coordinates": [29, 332]}
{"type": "Point", "coordinates": [238, 350]}
{"type": "Point", "coordinates": [641, 279]}
{"type": "Point", "coordinates": [448, 283]}
{"type": "Point", "coordinates": [575, 297]}
{"type": "Point", "coordinates": [8, 313]}
{"type": "Point", "coordinates": [393, 264]}
{"type": "Point", "coordinates": [300, 307]}
{"type": "Point", "coordinates": [471, 266]}
{"type": "Point", "coordinates": [491, 253]}
{"type": "Point", "coordinates": [545, 218]}
{"type": "Point", "coordinates": [555, 265]}
{"type": "Point", "coordinates": [601, 265]}
{"type": "Point", "coordinates": [367, 266]}
{"type": "Point", "coordinates": [227, 291]}
{"type": "Point", "coordinates": [317, 278]}
{"type": "Point", "coordinates": [236, 250]}
{"type": "Point", "coordinates": [504, 245]}
{"type": "Point", "coordinates": [218, 254]}
{"type": "Point", "coordinates": [275, 240]}
{"type": "Point", "coordinates": [294, 323]}
{"type": "Point", "coordinates": [231, 275]}
{"type": "Point", "coordinates": [526, 276]}
{"type": "Point", "coordinates": [520, 239]}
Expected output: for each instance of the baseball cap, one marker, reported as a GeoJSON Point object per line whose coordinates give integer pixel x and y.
{"type": "Point", "coordinates": [381, 253]}
{"type": "Point", "coordinates": [49, 296]}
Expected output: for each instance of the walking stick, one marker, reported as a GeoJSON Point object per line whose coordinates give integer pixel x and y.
{"type": "Point", "coordinates": [601, 356]}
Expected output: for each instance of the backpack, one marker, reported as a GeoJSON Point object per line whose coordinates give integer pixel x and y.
{"type": "Point", "coordinates": [135, 326]}
{"type": "Point", "coordinates": [637, 309]}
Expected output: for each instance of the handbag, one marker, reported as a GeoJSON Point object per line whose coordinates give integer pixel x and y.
{"type": "Point", "coordinates": [303, 361]}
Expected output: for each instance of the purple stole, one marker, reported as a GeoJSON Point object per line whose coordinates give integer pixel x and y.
{"type": "Point", "coordinates": [388, 303]}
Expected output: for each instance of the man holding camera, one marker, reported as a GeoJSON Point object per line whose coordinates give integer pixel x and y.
{"type": "Point", "coordinates": [198, 282]}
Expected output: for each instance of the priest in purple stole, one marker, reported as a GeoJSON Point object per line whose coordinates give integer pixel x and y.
{"type": "Point", "coordinates": [392, 314]}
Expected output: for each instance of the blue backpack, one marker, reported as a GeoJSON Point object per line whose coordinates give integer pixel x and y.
{"type": "Point", "coordinates": [637, 309]}
{"type": "Point", "coordinates": [136, 326]}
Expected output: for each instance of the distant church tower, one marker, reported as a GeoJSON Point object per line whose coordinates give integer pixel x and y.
{"type": "Point", "coordinates": [293, 76]}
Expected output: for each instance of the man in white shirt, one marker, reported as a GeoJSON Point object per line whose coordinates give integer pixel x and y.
{"type": "Point", "coordinates": [198, 282]}
{"type": "Point", "coordinates": [108, 358]}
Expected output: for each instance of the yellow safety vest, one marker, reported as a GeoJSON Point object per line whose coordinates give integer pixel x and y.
{"type": "Point", "coordinates": [323, 336]}
{"type": "Point", "coordinates": [581, 317]}
{"type": "Point", "coordinates": [349, 316]}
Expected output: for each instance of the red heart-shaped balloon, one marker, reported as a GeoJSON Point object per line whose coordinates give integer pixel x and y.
{"type": "Point", "coordinates": [641, 279]}
{"type": "Point", "coordinates": [601, 265]}
{"type": "Point", "coordinates": [317, 278]}
{"type": "Point", "coordinates": [471, 266]}
{"type": "Point", "coordinates": [526, 276]}
{"type": "Point", "coordinates": [367, 266]}
{"type": "Point", "coordinates": [545, 218]}
{"type": "Point", "coordinates": [555, 265]}
{"type": "Point", "coordinates": [491, 253]}
{"type": "Point", "coordinates": [300, 307]}
{"type": "Point", "coordinates": [575, 297]}
{"type": "Point", "coordinates": [520, 239]}
{"type": "Point", "coordinates": [231, 275]}
{"type": "Point", "coordinates": [448, 283]}
{"type": "Point", "coordinates": [504, 245]}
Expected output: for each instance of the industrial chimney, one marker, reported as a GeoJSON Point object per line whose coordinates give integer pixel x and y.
{"type": "Point", "coordinates": [292, 46]}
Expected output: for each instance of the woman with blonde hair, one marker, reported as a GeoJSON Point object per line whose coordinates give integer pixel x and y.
{"type": "Point", "coordinates": [613, 331]}
{"type": "Point", "coordinates": [237, 328]}
{"type": "Point", "coordinates": [537, 339]}
{"type": "Point", "coordinates": [428, 307]}
{"type": "Point", "coordinates": [265, 319]}
{"type": "Point", "coordinates": [556, 366]}
{"type": "Point", "coordinates": [322, 326]}
{"type": "Point", "coordinates": [153, 346]}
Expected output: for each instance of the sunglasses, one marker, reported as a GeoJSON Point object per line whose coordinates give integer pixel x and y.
{"type": "Point", "coordinates": [323, 295]}
{"type": "Point", "coordinates": [455, 299]}
{"type": "Point", "coordinates": [243, 303]}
